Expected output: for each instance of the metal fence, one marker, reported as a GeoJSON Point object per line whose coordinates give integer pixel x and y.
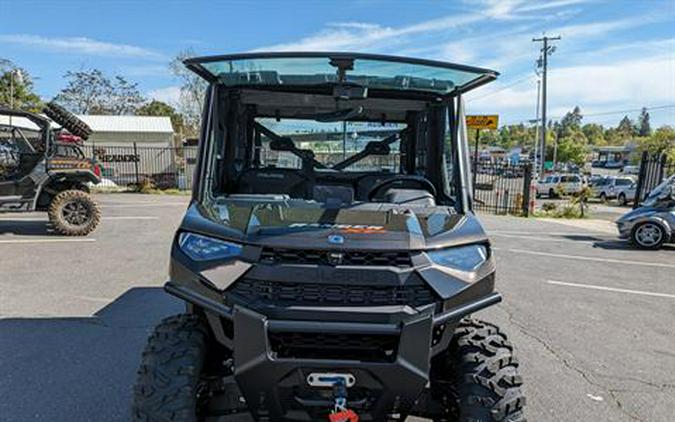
{"type": "Point", "coordinates": [502, 188]}
{"type": "Point", "coordinates": [164, 167]}
{"type": "Point", "coordinates": [653, 169]}
{"type": "Point", "coordinates": [499, 188]}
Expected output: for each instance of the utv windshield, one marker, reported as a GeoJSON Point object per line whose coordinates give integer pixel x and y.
{"type": "Point", "coordinates": [313, 141]}
{"type": "Point", "coordinates": [363, 70]}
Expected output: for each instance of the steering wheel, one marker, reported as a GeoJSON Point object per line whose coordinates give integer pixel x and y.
{"type": "Point", "coordinates": [421, 181]}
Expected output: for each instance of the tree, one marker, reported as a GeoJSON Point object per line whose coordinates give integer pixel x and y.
{"type": "Point", "coordinates": [159, 108]}
{"type": "Point", "coordinates": [626, 129]}
{"type": "Point", "coordinates": [572, 149]}
{"type": "Point", "coordinates": [192, 92]}
{"type": "Point", "coordinates": [93, 92]}
{"type": "Point", "coordinates": [126, 98]}
{"type": "Point", "coordinates": [661, 142]}
{"type": "Point", "coordinates": [571, 122]}
{"type": "Point", "coordinates": [595, 134]}
{"type": "Point", "coordinates": [643, 126]}
{"type": "Point", "coordinates": [16, 88]}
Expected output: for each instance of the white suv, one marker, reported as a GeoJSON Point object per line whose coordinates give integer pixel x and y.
{"type": "Point", "coordinates": [555, 183]}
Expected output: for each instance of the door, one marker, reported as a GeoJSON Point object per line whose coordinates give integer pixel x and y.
{"type": "Point", "coordinates": [18, 158]}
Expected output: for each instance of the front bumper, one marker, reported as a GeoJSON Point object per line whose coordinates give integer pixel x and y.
{"type": "Point", "coordinates": [276, 387]}
{"type": "Point", "coordinates": [390, 375]}
{"type": "Point", "coordinates": [624, 228]}
{"type": "Point", "coordinates": [382, 324]}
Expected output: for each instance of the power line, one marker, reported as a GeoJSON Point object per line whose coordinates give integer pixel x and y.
{"type": "Point", "coordinates": [632, 110]}
{"type": "Point", "coordinates": [602, 113]}
{"type": "Point", "coordinates": [514, 83]}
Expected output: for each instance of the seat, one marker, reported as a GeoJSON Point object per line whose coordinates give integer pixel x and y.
{"type": "Point", "coordinates": [333, 194]}
{"type": "Point", "coordinates": [410, 197]}
{"type": "Point", "coordinates": [273, 181]}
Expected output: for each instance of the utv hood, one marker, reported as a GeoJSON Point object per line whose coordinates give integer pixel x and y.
{"type": "Point", "coordinates": [308, 224]}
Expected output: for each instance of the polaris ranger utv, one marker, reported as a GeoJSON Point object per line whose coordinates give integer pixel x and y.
{"type": "Point", "coordinates": [43, 169]}
{"type": "Point", "coordinates": [330, 259]}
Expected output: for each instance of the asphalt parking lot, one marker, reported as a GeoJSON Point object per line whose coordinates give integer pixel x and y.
{"type": "Point", "coordinates": [591, 318]}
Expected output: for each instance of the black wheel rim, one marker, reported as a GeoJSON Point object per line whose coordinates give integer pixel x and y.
{"type": "Point", "coordinates": [76, 213]}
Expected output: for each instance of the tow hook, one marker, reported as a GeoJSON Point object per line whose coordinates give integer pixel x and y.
{"type": "Point", "coordinates": [340, 411]}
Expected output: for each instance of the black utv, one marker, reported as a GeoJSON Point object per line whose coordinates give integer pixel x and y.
{"type": "Point", "coordinates": [44, 168]}
{"type": "Point", "coordinates": [330, 259]}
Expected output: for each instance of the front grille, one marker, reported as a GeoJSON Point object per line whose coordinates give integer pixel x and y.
{"type": "Point", "coordinates": [362, 347]}
{"type": "Point", "coordinates": [329, 257]}
{"type": "Point", "coordinates": [314, 294]}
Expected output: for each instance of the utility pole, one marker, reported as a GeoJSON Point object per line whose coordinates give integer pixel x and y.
{"type": "Point", "coordinates": [545, 51]}
{"type": "Point", "coordinates": [537, 152]}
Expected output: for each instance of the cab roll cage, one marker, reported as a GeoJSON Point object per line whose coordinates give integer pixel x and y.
{"type": "Point", "coordinates": [285, 143]}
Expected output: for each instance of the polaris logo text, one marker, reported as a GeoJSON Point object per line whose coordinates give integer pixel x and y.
{"type": "Point", "coordinates": [345, 228]}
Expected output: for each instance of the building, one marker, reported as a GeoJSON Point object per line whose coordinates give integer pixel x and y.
{"type": "Point", "coordinates": [145, 131]}
{"type": "Point", "coordinates": [613, 155]}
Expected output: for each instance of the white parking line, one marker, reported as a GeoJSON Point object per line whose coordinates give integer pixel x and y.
{"type": "Point", "coordinates": [590, 258]}
{"type": "Point", "coordinates": [131, 217]}
{"type": "Point", "coordinates": [543, 233]}
{"type": "Point", "coordinates": [611, 289]}
{"type": "Point", "coordinates": [117, 217]}
{"type": "Point", "coordinates": [49, 240]}
{"type": "Point", "coordinates": [166, 204]}
{"type": "Point", "coordinates": [542, 239]}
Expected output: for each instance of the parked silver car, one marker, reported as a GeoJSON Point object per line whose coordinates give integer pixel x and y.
{"type": "Point", "coordinates": [653, 223]}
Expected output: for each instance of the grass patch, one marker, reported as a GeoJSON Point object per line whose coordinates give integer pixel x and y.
{"type": "Point", "coordinates": [568, 210]}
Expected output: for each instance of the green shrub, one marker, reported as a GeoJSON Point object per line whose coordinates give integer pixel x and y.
{"type": "Point", "coordinates": [549, 206]}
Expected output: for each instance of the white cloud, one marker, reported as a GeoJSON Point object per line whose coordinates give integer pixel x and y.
{"type": "Point", "coordinates": [169, 95]}
{"type": "Point", "coordinates": [593, 29]}
{"type": "Point", "coordinates": [362, 35]}
{"type": "Point", "coordinates": [519, 9]}
{"type": "Point", "coordinates": [536, 6]}
{"type": "Point", "coordinates": [81, 45]}
{"type": "Point", "coordinates": [622, 84]}
{"type": "Point", "coordinates": [145, 70]}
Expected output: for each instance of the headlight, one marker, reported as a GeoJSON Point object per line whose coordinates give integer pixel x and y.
{"type": "Point", "coordinates": [202, 248]}
{"type": "Point", "coordinates": [464, 258]}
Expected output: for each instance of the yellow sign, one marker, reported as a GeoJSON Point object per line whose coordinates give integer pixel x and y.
{"type": "Point", "coordinates": [482, 122]}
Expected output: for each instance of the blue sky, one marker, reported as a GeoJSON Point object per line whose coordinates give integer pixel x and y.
{"type": "Point", "coordinates": [614, 55]}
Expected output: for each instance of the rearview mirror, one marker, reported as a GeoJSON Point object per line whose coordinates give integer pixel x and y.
{"type": "Point", "coordinates": [340, 115]}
